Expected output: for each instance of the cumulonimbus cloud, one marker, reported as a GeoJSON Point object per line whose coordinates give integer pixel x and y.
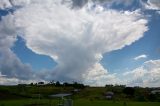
{"type": "Point", "coordinates": [77, 38]}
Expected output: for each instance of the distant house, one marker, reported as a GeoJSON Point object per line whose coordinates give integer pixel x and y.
{"type": "Point", "coordinates": [75, 90]}
{"type": "Point", "coordinates": [155, 92]}
{"type": "Point", "coordinates": [109, 95]}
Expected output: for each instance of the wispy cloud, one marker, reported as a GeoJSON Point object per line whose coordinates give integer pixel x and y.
{"type": "Point", "coordinates": [143, 56]}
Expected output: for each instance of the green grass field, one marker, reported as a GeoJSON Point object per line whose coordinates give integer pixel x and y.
{"type": "Point", "coordinates": [81, 102]}
{"type": "Point", "coordinates": [89, 96]}
{"type": "Point", "coordinates": [111, 103]}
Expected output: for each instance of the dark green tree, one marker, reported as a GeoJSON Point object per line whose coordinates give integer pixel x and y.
{"type": "Point", "coordinates": [129, 91]}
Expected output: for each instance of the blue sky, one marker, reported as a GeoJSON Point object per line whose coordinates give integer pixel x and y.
{"type": "Point", "coordinates": [37, 61]}
{"type": "Point", "coordinates": [47, 52]}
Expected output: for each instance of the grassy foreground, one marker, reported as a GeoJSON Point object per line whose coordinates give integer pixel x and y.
{"type": "Point", "coordinates": [111, 103]}
{"type": "Point", "coordinates": [80, 102]}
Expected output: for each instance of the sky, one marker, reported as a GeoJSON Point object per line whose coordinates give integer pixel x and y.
{"type": "Point", "coordinates": [95, 42]}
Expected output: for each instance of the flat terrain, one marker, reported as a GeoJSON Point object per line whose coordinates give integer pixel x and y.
{"type": "Point", "coordinates": [33, 95]}
{"type": "Point", "coordinates": [45, 102]}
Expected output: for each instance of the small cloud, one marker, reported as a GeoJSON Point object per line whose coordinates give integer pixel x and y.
{"type": "Point", "coordinates": [2, 75]}
{"type": "Point", "coordinates": [143, 56]}
{"type": "Point", "coordinates": [158, 12]}
{"type": "Point", "coordinates": [152, 4]}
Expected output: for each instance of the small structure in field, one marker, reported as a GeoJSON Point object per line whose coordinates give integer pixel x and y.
{"type": "Point", "coordinates": [60, 95]}
{"type": "Point", "coordinates": [155, 91]}
{"type": "Point", "coordinates": [109, 95]}
{"type": "Point", "coordinates": [75, 91]}
{"type": "Point", "coordinates": [63, 101]}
